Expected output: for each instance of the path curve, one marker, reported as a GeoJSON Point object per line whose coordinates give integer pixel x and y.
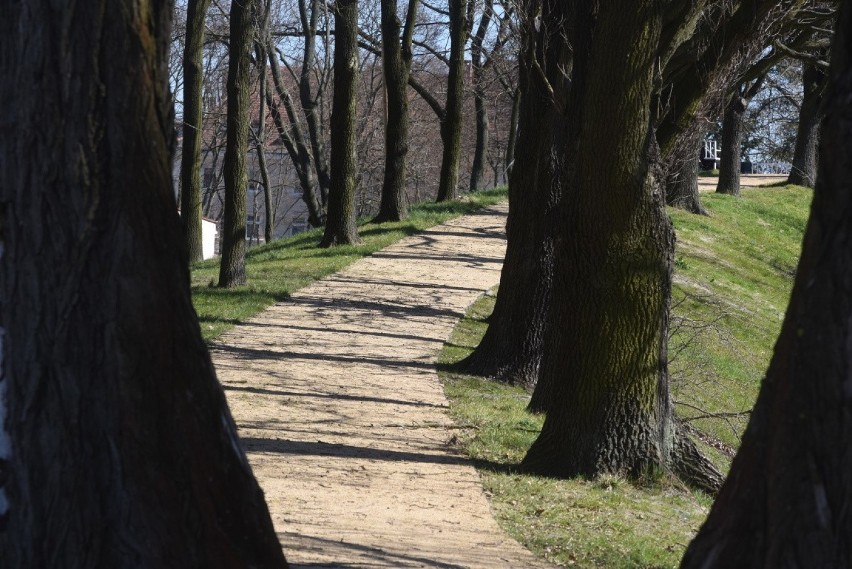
{"type": "Point", "coordinates": [345, 422]}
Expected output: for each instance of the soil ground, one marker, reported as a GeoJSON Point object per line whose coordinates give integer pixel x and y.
{"type": "Point", "coordinates": [344, 419]}
{"type": "Point", "coordinates": [708, 183]}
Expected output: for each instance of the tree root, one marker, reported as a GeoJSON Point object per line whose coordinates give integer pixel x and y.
{"type": "Point", "coordinates": [691, 466]}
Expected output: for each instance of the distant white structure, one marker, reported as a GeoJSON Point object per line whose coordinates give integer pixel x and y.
{"type": "Point", "coordinates": [208, 238]}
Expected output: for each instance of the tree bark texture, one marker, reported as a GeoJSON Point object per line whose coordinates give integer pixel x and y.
{"type": "Point", "coordinates": [396, 64]}
{"type": "Point", "coordinates": [232, 269]}
{"type": "Point", "coordinates": [451, 120]}
{"type": "Point", "coordinates": [511, 349]}
{"type": "Point", "coordinates": [786, 500]}
{"type": "Point", "coordinates": [804, 169]}
{"type": "Point", "coordinates": [477, 172]}
{"type": "Point", "coordinates": [121, 450]}
{"type": "Point", "coordinates": [606, 341]}
{"type": "Point", "coordinates": [681, 172]}
{"type": "Point", "coordinates": [513, 131]}
{"type": "Point", "coordinates": [732, 143]}
{"type": "Point", "coordinates": [340, 226]}
{"type": "Point", "coordinates": [190, 164]}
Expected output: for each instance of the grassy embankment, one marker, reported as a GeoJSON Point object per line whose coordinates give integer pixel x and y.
{"type": "Point", "coordinates": [733, 277]}
{"type": "Point", "coordinates": [278, 268]}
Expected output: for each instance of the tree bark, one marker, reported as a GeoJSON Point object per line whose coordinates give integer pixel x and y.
{"type": "Point", "coordinates": [232, 269]}
{"type": "Point", "coordinates": [606, 341]}
{"type": "Point", "coordinates": [511, 349]}
{"type": "Point", "coordinates": [681, 173]}
{"type": "Point", "coordinates": [513, 131]}
{"type": "Point", "coordinates": [190, 159]}
{"type": "Point", "coordinates": [396, 64]}
{"type": "Point", "coordinates": [785, 502]}
{"type": "Point", "coordinates": [451, 121]}
{"type": "Point", "coordinates": [804, 168]}
{"type": "Point", "coordinates": [117, 446]}
{"type": "Point", "coordinates": [732, 142]}
{"type": "Point", "coordinates": [340, 226]}
{"type": "Point", "coordinates": [477, 171]}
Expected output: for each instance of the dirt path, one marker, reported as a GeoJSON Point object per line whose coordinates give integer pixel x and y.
{"type": "Point", "coordinates": [708, 184]}
{"type": "Point", "coordinates": [344, 419]}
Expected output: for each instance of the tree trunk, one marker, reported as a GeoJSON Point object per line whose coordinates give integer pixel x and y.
{"type": "Point", "coordinates": [310, 102]}
{"type": "Point", "coordinates": [732, 136]}
{"type": "Point", "coordinates": [477, 171]}
{"type": "Point", "coordinates": [117, 446]}
{"type": "Point", "coordinates": [786, 500]}
{"type": "Point", "coordinates": [681, 173]}
{"type": "Point", "coordinates": [295, 144]}
{"type": "Point", "coordinates": [190, 159]}
{"type": "Point", "coordinates": [340, 226]}
{"type": "Point", "coordinates": [606, 341]}
{"type": "Point", "coordinates": [513, 131]}
{"type": "Point", "coordinates": [511, 349]}
{"type": "Point", "coordinates": [451, 121]}
{"type": "Point", "coordinates": [269, 217]}
{"type": "Point", "coordinates": [232, 270]}
{"type": "Point", "coordinates": [396, 64]}
{"type": "Point", "coordinates": [804, 169]}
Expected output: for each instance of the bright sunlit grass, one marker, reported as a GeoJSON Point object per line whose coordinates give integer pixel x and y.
{"type": "Point", "coordinates": [733, 276]}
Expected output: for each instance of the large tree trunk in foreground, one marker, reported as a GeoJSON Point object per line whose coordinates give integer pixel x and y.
{"type": "Point", "coordinates": [232, 269]}
{"type": "Point", "coordinates": [118, 449]}
{"type": "Point", "coordinates": [340, 226]}
{"type": "Point", "coordinates": [396, 64]}
{"type": "Point", "coordinates": [451, 120]}
{"type": "Point", "coordinates": [511, 349]}
{"type": "Point", "coordinates": [786, 500]}
{"type": "Point", "coordinates": [804, 169]}
{"type": "Point", "coordinates": [190, 159]}
{"type": "Point", "coordinates": [606, 341]}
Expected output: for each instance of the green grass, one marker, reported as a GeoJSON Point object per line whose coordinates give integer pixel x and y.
{"type": "Point", "coordinates": [733, 277]}
{"type": "Point", "coordinates": [278, 268]}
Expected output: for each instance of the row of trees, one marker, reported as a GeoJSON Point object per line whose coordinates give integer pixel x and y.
{"type": "Point", "coordinates": [121, 451]}
{"type": "Point", "coordinates": [327, 159]}
{"type": "Point", "coordinates": [609, 99]}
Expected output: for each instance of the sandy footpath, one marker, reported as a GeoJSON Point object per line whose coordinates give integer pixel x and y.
{"type": "Point", "coordinates": [344, 419]}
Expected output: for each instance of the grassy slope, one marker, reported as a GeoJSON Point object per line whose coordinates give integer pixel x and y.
{"type": "Point", "coordinates": [277, 269]}
{"type": "Point", "coordinates": [733, 277]}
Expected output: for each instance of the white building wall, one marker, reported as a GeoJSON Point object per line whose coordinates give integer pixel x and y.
{"type": "Point", "coordinates": [208, 238]}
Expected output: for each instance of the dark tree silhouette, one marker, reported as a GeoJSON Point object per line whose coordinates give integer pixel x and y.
{"type": "Point", "coordinates": [786, 500]}
{"type": "Point", "coordinates": [117, 448]}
